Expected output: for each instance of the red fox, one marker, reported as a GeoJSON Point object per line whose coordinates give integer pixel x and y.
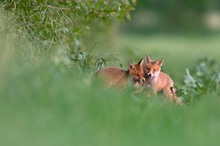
{"type": "Point", "coordinates": [157, 80]}
{"type": "Point", "coordinates": [114, 76]}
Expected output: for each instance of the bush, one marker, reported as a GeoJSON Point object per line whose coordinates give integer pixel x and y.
{"type": "Point", "coordinates": [61, 26]}
{"type": "Point", "coordinates": [202, 79]}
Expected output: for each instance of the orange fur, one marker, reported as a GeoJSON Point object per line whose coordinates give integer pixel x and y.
{"type": "Point", "coordinates": [157, 80]}
{"type": "Point", "coordinates": [114, 76]}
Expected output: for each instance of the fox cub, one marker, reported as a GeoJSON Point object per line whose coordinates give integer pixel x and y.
{"type": "Point", "coordinates": [157, 80]}
{"type": "Point", "coordinates": [114, 76]}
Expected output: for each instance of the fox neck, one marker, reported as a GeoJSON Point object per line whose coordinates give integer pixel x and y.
{"type": "Point", "coordinates": [156, 76]}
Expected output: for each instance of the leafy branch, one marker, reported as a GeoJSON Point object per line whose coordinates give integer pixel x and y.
{"type": "Point", "coordinates": [63, 24]}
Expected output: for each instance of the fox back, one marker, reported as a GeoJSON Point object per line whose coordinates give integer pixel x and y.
{"type": "Point", "coordinates": [114, 76]}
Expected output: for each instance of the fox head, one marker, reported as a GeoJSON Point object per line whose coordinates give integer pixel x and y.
{"type": "Point", "coordinates": [137, 73]}
{"type": "Point", "coordinates": [152, 68]}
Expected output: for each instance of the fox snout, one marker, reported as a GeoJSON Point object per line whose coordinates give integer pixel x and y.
{"type": "Point", "coordinates": [139, 83]}
{"type": "Point", "coordinates": [142, 80]}
{"type": "Point", "coordinates": [149, 75]}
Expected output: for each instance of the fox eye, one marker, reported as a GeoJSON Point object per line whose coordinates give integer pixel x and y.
{"type": "Point", "coordinates": [154, 69]}
{"type": "Point", "coordinates": [148, 68]}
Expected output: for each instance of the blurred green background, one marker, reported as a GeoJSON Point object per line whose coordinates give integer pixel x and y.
{"type": "Point", "coordinates": [49, 51]}
{"type": "Point", "coordinates": [176, 16]}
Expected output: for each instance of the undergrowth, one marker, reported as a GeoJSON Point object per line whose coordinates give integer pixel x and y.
{"type": "Point", "coordinates": [60, 28]}
{"type": "Point", "coordinates": [202, 79]}
{"type": "Point", "coordinates": [45, 104]}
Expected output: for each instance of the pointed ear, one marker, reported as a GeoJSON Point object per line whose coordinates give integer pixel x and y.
{"type": "Point", "coordinates": [131, 67]}
{"type": "Point", "coordinates": [141, 62]}
{"type": "Point", "coordinates": [159, 62]}
{"type": "Point", "coordinates": [147, 59]}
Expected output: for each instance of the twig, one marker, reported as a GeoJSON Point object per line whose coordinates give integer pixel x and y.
{"type": "Point", "coordinates": [54, 7]}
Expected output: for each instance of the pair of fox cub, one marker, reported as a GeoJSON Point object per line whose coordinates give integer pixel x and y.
{"type": "Point", "coordinates": [146, 73]}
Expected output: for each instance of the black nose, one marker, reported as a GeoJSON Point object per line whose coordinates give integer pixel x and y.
{"type": "Point", "coordinates": [149, 75]}
{"type": "Point", "coordinates": [143, 79]}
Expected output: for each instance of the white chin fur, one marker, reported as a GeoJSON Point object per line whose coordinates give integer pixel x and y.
{"type": "Point", "coordinates": [155, 75]}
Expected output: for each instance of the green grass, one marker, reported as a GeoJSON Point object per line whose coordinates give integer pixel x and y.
{"type": "Point", "coordinates": [42, 104]}
{"type": "Point", "coordinates": [178, 51]}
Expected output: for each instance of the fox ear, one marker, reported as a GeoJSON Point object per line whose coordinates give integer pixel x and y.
{"type": "Point", "coordinates": [160, 62]}
{"type": "Point", "coordinates": [141, 62]}
{"type": "Point", "coordinates": [131, 67]}
{"type": "Point", "coordinates": [147, 59]}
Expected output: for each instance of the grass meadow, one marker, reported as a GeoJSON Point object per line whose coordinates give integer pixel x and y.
{"type": "Point", "coordinates": [178, 51]}
{"type": "Point", "coordinates": [42, 104]}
